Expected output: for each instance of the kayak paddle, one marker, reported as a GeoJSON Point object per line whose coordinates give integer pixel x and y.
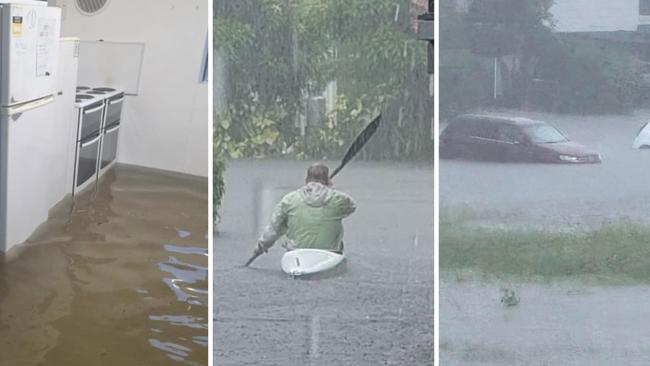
{"type": "Point", "coordinates": [358, 144]}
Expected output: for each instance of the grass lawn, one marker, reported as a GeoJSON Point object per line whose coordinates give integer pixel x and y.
{"type": "Point", "coordinates": [613, 253]}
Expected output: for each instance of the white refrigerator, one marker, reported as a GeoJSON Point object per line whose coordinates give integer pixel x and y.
{"type": "Point", "coordinates": [29, 42]}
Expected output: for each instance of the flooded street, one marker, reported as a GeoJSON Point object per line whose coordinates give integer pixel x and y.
{"type": "Point", "coordinates": [559, 324]}
{"type": "Point", "coordinates": [120, 278]}
{"type": "Point", "coordinates": [377, 309]}
{"type": "Point", "coordinates": [569, 320]}
{"type": "Point", "coordinates": [556, 196]}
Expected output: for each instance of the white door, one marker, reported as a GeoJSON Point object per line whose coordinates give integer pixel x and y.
{"type": "Point", "coordinates": [30, 43]}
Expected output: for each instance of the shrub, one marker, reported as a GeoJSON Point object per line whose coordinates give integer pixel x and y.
{"type": "Point", "coordinates": [593, 77]}
{"type": "Point", "coordinates": [250, 132]}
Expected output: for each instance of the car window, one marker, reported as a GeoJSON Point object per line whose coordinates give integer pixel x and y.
{"type": "Point", "coordinates": [484, 129]}
{"type": "Point", "coordinates": [457, 127]}
{"type": "Point", "coordinates": [491, 130]}
{"type": "Point", "coordinates": [544, 134]}
{"type": "Point", "coordinates": [509, 133]}
{"type": "Point", "coordinates": [462, 127]}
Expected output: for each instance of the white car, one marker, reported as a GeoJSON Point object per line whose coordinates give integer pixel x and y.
{"type": "Point", "coordinates": [642, 141]}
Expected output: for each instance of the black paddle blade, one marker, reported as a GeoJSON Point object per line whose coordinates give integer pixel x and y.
{"type": "Point", "coordinates": [255, 255]}
{"type": "Point", "coordinates": [358, 144]}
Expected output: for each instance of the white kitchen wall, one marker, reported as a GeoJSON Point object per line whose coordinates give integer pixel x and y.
{"type": "Point", "coordinates": [595, 15]}
{"type": "Point", "coordinates": [166, 125]}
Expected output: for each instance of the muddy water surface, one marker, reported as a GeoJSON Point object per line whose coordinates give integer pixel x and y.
{"type": "Point", "coordinates": [565, 323]}
{"type": "Point", "coordinates": [377, 310]}
{"type": "Point", "coordinates": [117, 278]}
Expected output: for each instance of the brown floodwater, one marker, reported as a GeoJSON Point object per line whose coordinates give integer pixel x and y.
{"type": "Point", "coordinates": [119, 277]}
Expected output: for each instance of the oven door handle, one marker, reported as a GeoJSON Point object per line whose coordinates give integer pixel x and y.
{"type": "Point", "coordinates": [116, 101]}
{"type": "Point", "coordinates": [84, 144]}
{"type": "Point", "coordinates": [93, 110]}
{"type": "Point", "coordinates": [112, 129]}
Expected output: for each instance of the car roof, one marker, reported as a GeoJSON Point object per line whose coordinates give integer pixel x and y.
{"type": "Point", "coordinates": [518, 121]}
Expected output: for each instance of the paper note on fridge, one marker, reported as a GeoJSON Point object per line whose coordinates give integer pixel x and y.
{"type": "Point", "coordinates": [46, 37]}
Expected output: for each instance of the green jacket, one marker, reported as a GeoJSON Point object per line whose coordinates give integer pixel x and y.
{"type": "Point", "coordinates": [311, 217]}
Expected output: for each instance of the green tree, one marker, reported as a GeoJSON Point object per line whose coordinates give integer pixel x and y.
{"type": "Point", "coordinates": [465, 77]}
{"type": "Point", "coordinates": [512, 27]}
{"type": "Point", "coordinates": [279, 51]}
{"type": "Point", "coordinates": [593, 76]}
{"type": "Point", "coordinates": [270, 53]}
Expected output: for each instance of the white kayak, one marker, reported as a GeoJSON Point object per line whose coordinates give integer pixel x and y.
{"type": "Point", "coordinates": [301, 262]}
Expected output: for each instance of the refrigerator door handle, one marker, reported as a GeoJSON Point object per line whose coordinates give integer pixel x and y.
{"type": "Point", "coordinates": [26, 106]}
{"type": "Point", "coordinates": [84, 144]}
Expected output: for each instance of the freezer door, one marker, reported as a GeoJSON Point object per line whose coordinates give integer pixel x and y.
{"type": "Point", "coordinates": [28, 52]}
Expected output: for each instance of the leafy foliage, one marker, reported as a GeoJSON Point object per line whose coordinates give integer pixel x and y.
{"type": "Point", "coordinates": [271, 52]}
{"type": "Point", "coordinates": [465, 83]}
{"type": "Point", "coordinates": [251, 132]}
{"type": "Point", "coordinates": [511, 27]}
{"type": "Point", "coordinates": [260, 136]}
{"type": "Point", "coordinates": [278, 52]}
{"type": "Point", "coordinates": [595, 77]}
{"type": "Point", "coordinates": [502, 27]}
{"type": "Point", "coordinates": [340, 127]}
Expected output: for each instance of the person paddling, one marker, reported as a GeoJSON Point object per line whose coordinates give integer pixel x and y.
{"type": "Point", "coordinates": [310, 217]}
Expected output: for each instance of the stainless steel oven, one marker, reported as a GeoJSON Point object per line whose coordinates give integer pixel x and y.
{"type": "Point", "coordinates": [90, 119]}
{"type": "Point", "coordinates": [97, 137]}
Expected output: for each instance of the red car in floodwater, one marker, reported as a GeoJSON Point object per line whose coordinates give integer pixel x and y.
{"type": "Point", "coordinates": [498, 138]}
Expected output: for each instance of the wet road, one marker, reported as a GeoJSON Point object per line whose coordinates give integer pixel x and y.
{"type": "Point", "coordinates": [120, 278]}
{"type": "Point", "coordinates": [563, 323]}
{"type": "Point", "coordinates": [567, 324]}
{"type": "Point", "coordinates": [559, 196]}
{"type": "Point", "coordinates": [378, 310]}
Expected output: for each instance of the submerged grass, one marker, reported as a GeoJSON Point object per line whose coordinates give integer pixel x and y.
{"type": "Point", "coordinates": [614, 252]}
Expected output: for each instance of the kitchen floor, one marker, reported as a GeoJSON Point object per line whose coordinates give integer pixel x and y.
{"type": "Point", "coordinates": [118, 278]}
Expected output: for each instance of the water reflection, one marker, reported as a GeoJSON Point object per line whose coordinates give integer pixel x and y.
{"type": "Point", "coordinates": [184, 277]}
{"type": "Point", "coordinates": [102, 284]}
{"type": "Point", "coordinates": [188, 282]}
